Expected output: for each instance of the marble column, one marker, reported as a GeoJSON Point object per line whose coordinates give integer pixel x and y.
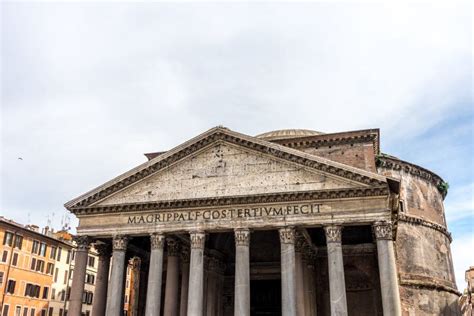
{"type": "Point", "coordinates": [242, 273]}
{"type": "Point", "coordinates": [172, 278]}
{"type": "Point", "coordinates": [196, 274]}
{"type": "Point", "coordinates": [299, 278]}
{"type": "Point", "coordinates": [306, 283]}
{"type": "Point", "coordinates": [116, 282]}
{"type": "Point", "coordinates": [155, 275]}
{"type": "Point", "coordinates": [211, 309]}
{"type": "Point", "coordinates": [79, 275]}
{"type": "Point", "coordinates": [183, 308]}
{"type": "Point", "coordinates": [387, 269]}
{"type": "Point", "coordinates": [337, 284]}
{"type": "Point", "coordinates": [310, 265]}
{"type": "Point", "coordinates": [101, 280]}
{"type": "Point", "coordinates": [134, 299]}
{"type": "Point", "coordinates": [288, 284]}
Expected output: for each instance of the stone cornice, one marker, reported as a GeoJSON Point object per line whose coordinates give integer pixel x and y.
{"type": "Point", "coordinates": [423, 222]}
{"type": "Point", "coordinates": [238, 200]}
{"type": "Point", "coordinates": [326, 140]}
{"type": "Point", "coordinates": [427, 284]}
{"type": "Point", "coordinates": [214, 135]}
{"type": "Point", "coordinates": [396, 164]}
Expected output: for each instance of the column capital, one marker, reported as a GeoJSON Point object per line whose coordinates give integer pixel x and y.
{"type": "Point", "coordinates": [157, 241]}
{"type": "Point", "coordinates": [242, 236]}
{"type": "Point", "coordinates": [300, 242]}
{"type": "Point", "coordinates": [120, 242]}
{"type": "Point", "coordinates": [198, 239]}
{"type": "Point", "coordinates": [333, 233]}
{"type": "Point", "coordinates": [383, 230]}
{"type": "Point", "coordinates": [82, 242]}
{"type": "Point", "coordinates": [103, 249]}
{"type": "Point", "coordinates": [287, 235]}
{"type": "Point", "coordinates": [185, 254]}
{"type": "Point", "coordinates": [172, 246]}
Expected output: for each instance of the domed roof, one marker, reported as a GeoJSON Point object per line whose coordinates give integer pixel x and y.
{"type": "Point", "coordinates": [288, 133]}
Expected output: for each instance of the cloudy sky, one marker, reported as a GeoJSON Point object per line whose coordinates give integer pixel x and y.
{"type": "Point", "coordinates": [87, 88]}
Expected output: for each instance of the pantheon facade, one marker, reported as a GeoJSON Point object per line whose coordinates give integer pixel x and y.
{"type": "Point", "coordinates": [289, 222]}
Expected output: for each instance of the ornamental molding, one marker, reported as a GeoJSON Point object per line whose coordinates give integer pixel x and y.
{"type": "Point", "coordinates": [82, 242]}
{"type": "Point", "coordinates": [327, 140]}
{"type": "Point", "coordinates": [428, 285]}
{"type": "Point", "coordinates": [157, 241]}
{"type": "Point", "coordinates": [383, 230]}
{"type": "Point", "coordinates": [287, 235]}
{"type": "Point", "coordinates": [197, 240]}
{"type": "Point", "coordinates": [242, 237]}
{"type": "Point", "coordinates": [238, 200]}
{"type": "Point", "coordinates": [220, 134]}
{"type": "Point", "coordinates": [413, 220]}
{"type": "Point", "coordinates": [390, 163]}
{"type": "Point", "coordinates": [119, 243]}
{"type": "Point", "coordinates": [333, 233]}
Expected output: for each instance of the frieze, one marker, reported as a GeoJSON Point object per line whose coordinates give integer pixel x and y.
{"type": "Point", "coordinates": [233, 200]}
{"type": "Point", "coordinates": [219, 134]}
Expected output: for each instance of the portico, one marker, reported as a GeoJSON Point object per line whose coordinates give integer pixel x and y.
{"type": "Point", "coordinates": [225, 216]}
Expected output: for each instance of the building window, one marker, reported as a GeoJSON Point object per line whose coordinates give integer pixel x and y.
{"type": "Point", "coordinates": [18, 242]}
{"type": "Point", "coordinates": [1, 277]}
{"type": "Point", "coordinates": [18, 311]}
{"type": "Point", "coordinates": [52, 254]}
{"type": "Point", "coordinates": [40, 266]}
{"type": "Point", "coordinates": [33, 312]}
{"type": "Point", "coordinates": [90, 261]}
{"type": "Point", "coordinates": [43, 248]}
{"type": "Point", "coordinates": [11, 286]}
{"type": "Point", "coordinates": [25, 311]}
{"type": "Point", "coordinates": [90, 278]}
{"type": "Point", "coordinates": [32, 290]}
{"type": "Point", "coordinates": [59, 254]}
{"type": "Point", "coordinates": [45, 292]}
{"type": "Point", "coordinates": [33, 264]}
{"type": "Point", "coordinates": [5, 310]}
{"type": "Point", "coordinates": [56, 272]}
{"type": "Point", "coordinates": [35, 247]}
{"type": "Point", "coordinates": [43, 312]}
{"type": "Point", "coordinates": [65, 277]}
{"type": "Point", "coordinates": [63, 295]}
{"type": "Point", "coordinates": [68, 256]}
{"type": "Point", "coordinates": [73, 254]}
{"type": "Point", "coordinates": [8, 239]}
{"type": "Point", "coordinates": [50, 268]}
{"type": "Point", "coordinates": [15, 259]}
{"type": "Point", "coordinates": [60, 312]}
{"type": "Point", "coordinates": [50, 312]}
{"type": "Point", "coordinates": [4, 256]}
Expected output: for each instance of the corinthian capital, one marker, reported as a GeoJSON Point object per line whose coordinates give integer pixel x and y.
{"type": "Point", "coordinates": [119, 243]}
{"type": "Point", "coordinates": [157, 241]}
{"type": "Point", "coordinates": [82, 242]}
{"type": "Point", "coordinates": [173, 247]}
{"type": "Point", "coordinates": [383, 230]}
{"type": "Point", "coordinates": [287, 235]}
{"type": "Point", "coordinates": [197, 240]}
{"type": "Point", "coordinates": [242, 237]}
{"type": "Point", "coordinates": [333, 233]}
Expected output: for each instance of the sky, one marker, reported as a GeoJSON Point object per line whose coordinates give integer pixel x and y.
{"type": "Point", "coordinates": [88, 87]}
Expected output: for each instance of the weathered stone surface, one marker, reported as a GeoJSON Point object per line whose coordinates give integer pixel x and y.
{"type": "Point", "coordinates": [225, 170]}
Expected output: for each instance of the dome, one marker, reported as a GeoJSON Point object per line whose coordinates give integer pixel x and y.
{"type": "Point", "coordinates": [288, 133]}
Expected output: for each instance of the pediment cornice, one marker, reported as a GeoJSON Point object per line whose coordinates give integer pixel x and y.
{"type": "Point", "coordinates": [239, 200]}
{"type": "Point", "coordinates": [221, 134]}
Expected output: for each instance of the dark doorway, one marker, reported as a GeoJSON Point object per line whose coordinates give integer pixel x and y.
{"type": "Point", "coordinates": [265, 298]}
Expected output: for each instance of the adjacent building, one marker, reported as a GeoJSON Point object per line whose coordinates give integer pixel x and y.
{"type": "Point", "coordinates": [36, 271]}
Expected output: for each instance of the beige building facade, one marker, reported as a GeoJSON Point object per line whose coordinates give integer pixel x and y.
{"type": "Point", "coordinates": [290, 222]}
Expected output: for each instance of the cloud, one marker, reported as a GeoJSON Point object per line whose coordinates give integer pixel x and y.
{"type": "Point", "coordinates": [463, 258]}
{"type": "Point", "coordinates": [88, 87]}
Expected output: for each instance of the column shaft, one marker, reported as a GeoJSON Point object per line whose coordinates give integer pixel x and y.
{"type": "Point", "coordinates": [387, 270]}
{"type": "Point", "coordinates": [155, 275]}
{"type": "Point", "coordinates": [299, 278]}
{"type": "Point", "coordinates": [337, 285]}
{"type": "Point", "coordinates": [211, 295]}
{"type": "Point", "coordinates": [79, 276]}
{"type": "Point", "coordinates": [183, 309]}
{"type": "Point", "coordinates": [172, 278]}
{"type": "Point", "coordinates": [196, 274]}
{"type": "Point", "coordinates": [116, 282]}
{"type": "Point", "coordinates": [242, 273]}
{"type": "Point", "coordinates": [102, 280]}
{"type": "Point", "coordinates": [288, 284]}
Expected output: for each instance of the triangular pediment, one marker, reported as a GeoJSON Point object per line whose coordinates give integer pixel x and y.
{"type": "Point", "coordinates": [221, 163]}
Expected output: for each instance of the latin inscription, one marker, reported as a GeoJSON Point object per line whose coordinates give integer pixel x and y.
{"type": "Point", "coordinates": [226, 214]}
